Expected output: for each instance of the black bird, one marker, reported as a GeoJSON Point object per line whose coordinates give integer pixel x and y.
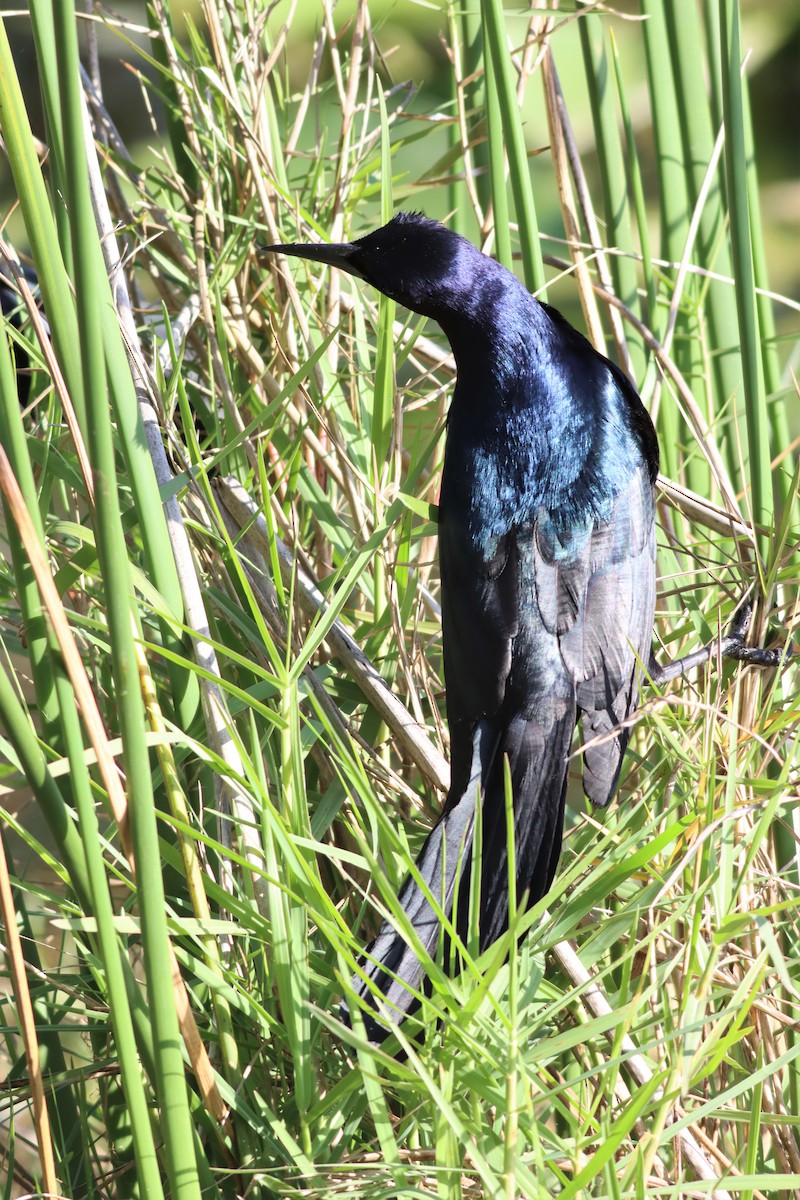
{"type": "Point", "coordinates": [547, 560]}
{"type": "Point", "coordinates": [13, 309]}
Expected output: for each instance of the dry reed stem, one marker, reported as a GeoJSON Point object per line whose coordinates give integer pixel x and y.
{"type": "Point", "coordinates": [27, 1024]}
{"type": "Point", "coordinates": [112, 780]}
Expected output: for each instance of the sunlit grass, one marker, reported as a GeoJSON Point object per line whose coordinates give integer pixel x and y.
{"type": "Point", "coordinates": [274, 708]}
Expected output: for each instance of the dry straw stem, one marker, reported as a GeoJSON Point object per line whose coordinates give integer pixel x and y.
{"type": "Point", "coordinates": [27, 1023]}
{"type": "Point", "coordinates": [198, 1055]}
{"type": "Point", "coordinates": [462, 82]}
{"type": "Point", "coordinates": [560, 136]}
{"type": "Point", "coordinates": [558, 115]}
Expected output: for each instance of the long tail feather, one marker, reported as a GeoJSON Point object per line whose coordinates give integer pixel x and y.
{"type": "Point", "coordinates": [391, 973]}
{"type": "Point", "coordinates": [537, 759]}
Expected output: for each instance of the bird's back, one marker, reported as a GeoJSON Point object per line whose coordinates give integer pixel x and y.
{"type": "Point", "coordinates": [547, 560]}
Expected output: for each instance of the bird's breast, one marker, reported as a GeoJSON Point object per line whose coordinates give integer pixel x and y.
{"type": "Point", "coordinates": [500, 478]}
{"type": "Point", "coordinates": [548, 439]}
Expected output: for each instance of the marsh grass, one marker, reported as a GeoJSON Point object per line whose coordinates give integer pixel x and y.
{"type": "Point", "coordinates": [222, 683]}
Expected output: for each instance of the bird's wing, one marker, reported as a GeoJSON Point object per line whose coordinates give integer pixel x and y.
{"type": "Point", "coordinates": [555, 617]}
{"type": "Point", "coordinates": [599, 599]}
{"type": "Point", "coordinates": [550, 628]}
{"type": "Point", "coordinates": [480, 620]}
{"type": "Point", "coordinates": [511, 706]}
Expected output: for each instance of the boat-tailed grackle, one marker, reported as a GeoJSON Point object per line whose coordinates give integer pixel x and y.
{"type": "Point", "coordinates": [12, 308]}
{"type": "Point", "coordinates": [548, 573]}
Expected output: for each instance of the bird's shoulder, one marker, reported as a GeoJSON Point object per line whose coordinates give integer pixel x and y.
{"type": "Point", "coordinates": [560, 608]}
{"type": "Point", "coordinates": [596, 384]}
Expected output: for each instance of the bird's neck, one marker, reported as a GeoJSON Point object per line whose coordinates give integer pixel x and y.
{"type": "Point", "coordinates": [497, 341]}
{"type": "Point", "coordinates": [501, 348]}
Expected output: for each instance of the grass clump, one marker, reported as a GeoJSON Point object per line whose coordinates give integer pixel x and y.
{"type": "Point", "coordinates": [222, 692]}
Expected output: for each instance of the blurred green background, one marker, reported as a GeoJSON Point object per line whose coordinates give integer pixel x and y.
{"type": "Point", "coordinates": [411, 35]}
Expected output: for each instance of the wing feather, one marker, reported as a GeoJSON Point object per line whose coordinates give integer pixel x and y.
{"type": "Point", "coordinates": [612, 630]}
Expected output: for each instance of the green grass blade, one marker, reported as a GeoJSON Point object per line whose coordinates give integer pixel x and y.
{"type": "Point", "coordinates": [39, 223]}
{"type": "Point", "coordinates": [494, 33]}
{"type": "Point", "coordinates": [612, 173]}
{"type": "Point", "coordinates": [497, 168]}
{"type": "Point", "coordinates": [91, 291]}
{"type": "Point", "coordinates": [761, 503]}
{"type": "Point", "coordinates": [384, 387]}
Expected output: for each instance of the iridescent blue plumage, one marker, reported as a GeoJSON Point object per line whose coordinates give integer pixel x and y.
{"type": "Point", "coordinates": [547, 555]}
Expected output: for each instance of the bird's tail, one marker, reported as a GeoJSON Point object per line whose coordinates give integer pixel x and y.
{"type": "Point", "coordinates": [392, 974]}
{"type": "Point", "coordinates": [538, 765]}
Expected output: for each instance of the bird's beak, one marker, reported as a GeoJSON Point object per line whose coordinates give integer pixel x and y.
{"type": "Point", "coordinates": [333, 255]}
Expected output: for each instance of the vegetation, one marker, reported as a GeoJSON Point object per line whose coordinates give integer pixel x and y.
{"type": "Point", "coordinates": [221, 690]}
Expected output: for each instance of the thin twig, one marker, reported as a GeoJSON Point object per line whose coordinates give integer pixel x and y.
{"type": "Point", "coordinates": [413, 740]}
{"type": "Point", "coordinates": [27, 1024]}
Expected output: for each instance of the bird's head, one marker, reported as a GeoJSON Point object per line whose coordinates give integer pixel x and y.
{"type": "Point", "coordinates": [412, 259]}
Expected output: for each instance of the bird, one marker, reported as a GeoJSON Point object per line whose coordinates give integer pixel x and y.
{"type": "Point", "coordinates": [13, 311]}
{"type": "Point", "coordinates": [547, 559]}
